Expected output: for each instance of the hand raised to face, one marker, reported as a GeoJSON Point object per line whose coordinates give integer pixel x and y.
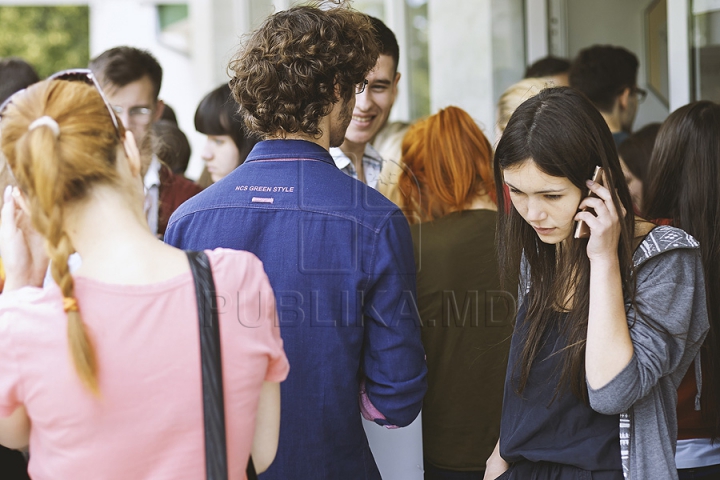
{"type": "Point", "coordinates": [604, 224]}
{"type": "Point", "coordinates": [23, 252]}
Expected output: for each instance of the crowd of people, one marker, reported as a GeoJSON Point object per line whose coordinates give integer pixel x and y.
{"type": "Point", "coordinates": [546, 301]}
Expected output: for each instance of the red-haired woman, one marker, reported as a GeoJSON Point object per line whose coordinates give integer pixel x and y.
{"type": "Point", "coordinates": [449, 199]}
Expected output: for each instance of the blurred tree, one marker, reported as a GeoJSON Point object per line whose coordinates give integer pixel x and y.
{"type": "Point", "coordinates": [49, 38]}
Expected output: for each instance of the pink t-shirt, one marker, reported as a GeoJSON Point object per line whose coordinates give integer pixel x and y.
{"type": "Point", "coordinates": [148, 421]}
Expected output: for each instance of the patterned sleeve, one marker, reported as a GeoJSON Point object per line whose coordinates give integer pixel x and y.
{"type": "Point", "coordinates": [524, 280]}
{"type": "Point", "coordinates": [670, 296]}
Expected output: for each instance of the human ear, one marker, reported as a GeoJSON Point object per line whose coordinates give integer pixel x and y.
{"type": "Point", "coordinates": [132, 152]}
{"type": "Point", "coordinates": [159, 109]}
{"type": "Point", "coordinates": [395, 85]}
{"type": "Point", "coordinates": [624, 98]}
{"type": "Point", "coordinates": [338, 92]}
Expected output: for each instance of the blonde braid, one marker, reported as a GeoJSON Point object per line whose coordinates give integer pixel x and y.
{"type": "Point", "coordinates": [82, 351]}
{"type": "Point", "coordinates": [48, 219]}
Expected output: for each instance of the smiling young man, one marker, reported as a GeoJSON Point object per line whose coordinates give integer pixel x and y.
{"type": "Point", "coordinates": [356, 157]}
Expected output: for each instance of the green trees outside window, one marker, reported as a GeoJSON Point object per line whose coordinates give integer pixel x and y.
{"type": "Point", "coordinates": [49, 38]}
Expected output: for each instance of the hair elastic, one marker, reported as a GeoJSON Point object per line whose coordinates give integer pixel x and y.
{"type": "Point", "coordinates": [70, 304]}
{"type": "Point", "coordinates": [47, 122]}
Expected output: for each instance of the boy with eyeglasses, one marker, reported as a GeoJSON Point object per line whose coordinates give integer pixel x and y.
{"type": "Point", "coordinates": [131, 79]}
{"type": "Point", "coordinates": [607, 75]}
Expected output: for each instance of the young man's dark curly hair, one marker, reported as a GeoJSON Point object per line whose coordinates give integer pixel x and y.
{"type": "Point", "coordinates": [301, 61]}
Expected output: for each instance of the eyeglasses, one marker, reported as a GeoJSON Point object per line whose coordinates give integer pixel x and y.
{"type": "Point", "coordinates": [84, 75]}
{"type": "Point", "coordinates": [137, 115]}
{"type": "Point", "coordinates": [641, 94]}
{"type": "Point", "coordinates": [360, 87]}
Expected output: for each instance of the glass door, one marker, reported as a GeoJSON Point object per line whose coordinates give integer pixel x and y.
{"type": "Point", "coordinates": [705, 23]}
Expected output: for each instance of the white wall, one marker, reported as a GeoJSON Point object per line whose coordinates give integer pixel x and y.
{"type": "Point", "coordinates": [615, 22]}
{"type": "Point", "coordinates": [461, 60]}
{"type": "Point", "coordinates": [509, 56]}
{"type": "Point", "coordinates": [536, 20]}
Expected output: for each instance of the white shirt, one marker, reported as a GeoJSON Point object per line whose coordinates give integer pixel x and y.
{"type": "Point", "coordinates": [152, 194]}
{"type": "Point", "coordinates": [372, 164]}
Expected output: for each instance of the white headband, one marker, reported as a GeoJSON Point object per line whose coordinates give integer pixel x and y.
{"type": "Point", "coordinates": [47, 122]}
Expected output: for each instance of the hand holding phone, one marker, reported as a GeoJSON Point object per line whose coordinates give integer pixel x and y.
{"type": "Point", "coordinates": [581, 228]}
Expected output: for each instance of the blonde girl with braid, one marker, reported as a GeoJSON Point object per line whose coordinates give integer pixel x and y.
{"type": "Point", "coordinates": [100, 371]}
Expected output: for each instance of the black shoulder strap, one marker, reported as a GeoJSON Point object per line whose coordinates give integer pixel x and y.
{"type": "Point", "coordinates": [213, 401]}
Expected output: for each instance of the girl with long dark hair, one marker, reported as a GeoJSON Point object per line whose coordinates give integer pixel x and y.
{"type": "Point", "coordinates": [683, 187]}
{"type": "Point", "coordinates": [607, 325]}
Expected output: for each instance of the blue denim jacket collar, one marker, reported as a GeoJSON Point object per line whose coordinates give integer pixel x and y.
{"type": "Point", "coordinates": [296, 149]}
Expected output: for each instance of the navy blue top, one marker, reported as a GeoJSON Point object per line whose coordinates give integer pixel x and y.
{"type": "Point", "coordinates": [340, 260]}
{"type": "Point", "coordinates": [564, 431]}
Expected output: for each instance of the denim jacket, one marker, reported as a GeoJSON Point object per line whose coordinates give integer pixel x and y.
{"type": "Point", "coordinates": [340, 259]}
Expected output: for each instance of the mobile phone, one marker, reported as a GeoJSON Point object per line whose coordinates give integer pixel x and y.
{"type": "Point", "coordinates": [581, 228]}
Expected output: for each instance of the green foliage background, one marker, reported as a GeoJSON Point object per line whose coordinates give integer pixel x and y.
{"type": "Point", "coordinates": [49, 38]}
